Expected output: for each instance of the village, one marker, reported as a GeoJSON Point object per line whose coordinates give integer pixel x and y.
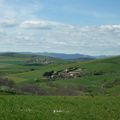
{"type": "Point", "coordinates": [66, 73]}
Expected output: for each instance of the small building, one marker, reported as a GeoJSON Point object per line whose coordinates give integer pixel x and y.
{"type": "Point", "coordinates": [64, 74]}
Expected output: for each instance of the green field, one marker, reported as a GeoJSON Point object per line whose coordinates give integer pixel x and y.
{"type": "Point", "coordinates": [28, 95]}
{"type": "Point", "coordinates": [59, 108]}
{"type": "Point", "coordinates": [102, 76]}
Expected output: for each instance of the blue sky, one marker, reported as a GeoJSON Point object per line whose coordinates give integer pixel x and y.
{"type": "Point", "coordinates": [78, 12]}
{"type": "Point", "coordinates": [70, 26]}
{"type": "Point", "coordinates": [82, 12]}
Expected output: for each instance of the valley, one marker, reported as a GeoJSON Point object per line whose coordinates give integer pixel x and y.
{"type": "Point", "coordinates": [40, 87]}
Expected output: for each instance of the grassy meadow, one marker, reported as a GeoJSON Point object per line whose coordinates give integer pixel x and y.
{"type": "Point", "coordinates": [25, 94]}
{"type": "Point", "coordinates": [59, 108]}
{"type": "Point", "coordinates": [102, 76]}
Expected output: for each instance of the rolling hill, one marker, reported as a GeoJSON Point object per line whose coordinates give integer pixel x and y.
{"type": "Point", "coordinates": [100, 77]}
{"type": "Point", "coordinates": [25, 93]}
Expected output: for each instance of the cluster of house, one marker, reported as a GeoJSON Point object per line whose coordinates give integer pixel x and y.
{"type": "Point", "coordinates": [67, 73]}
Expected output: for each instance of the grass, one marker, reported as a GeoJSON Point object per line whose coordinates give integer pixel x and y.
{"type": "Point", "coordinates": [13, 68]}
{"type": "Point", "coordinates": [103, 104]}
{"type": "Point", "coordinates": [59, 108]}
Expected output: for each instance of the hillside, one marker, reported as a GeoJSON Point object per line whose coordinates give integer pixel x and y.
{"type": "Point", "coordinates": [100, 77]}
{"type": "Point", "coordinates": [59, 108]}
{"type": "Point", "coordinates": [27, 93]}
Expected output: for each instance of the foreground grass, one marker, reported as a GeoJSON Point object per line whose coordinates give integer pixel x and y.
{"type": "Point", "coordinates": [59, 108]}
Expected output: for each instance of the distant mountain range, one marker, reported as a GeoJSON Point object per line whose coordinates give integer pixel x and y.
{"type": "Point", "coordinates": [79, 57]}
{"type": "Point", "coordinates": [68, 56]}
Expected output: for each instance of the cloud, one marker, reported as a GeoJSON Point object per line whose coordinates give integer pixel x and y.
{"type": "Point", "coordinates": [21, 29]}
{"type": "Point", "coordinates": [36, 24]}
{"type": "Point", "coordinates": [43, 35]}
{"type": "Point", "coordinates": [43, 24]}
{"type": "Point", "coordinates": [8, 23]}
{"type": "Point", "coordinates": [19, 10]}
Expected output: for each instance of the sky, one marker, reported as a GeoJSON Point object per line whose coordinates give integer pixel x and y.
{"type": "Point", "coordinates": [89, 27]}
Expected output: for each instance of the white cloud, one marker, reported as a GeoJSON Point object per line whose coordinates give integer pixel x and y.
{"type": "Point", "coordinates": [8, 23]}
{"type": "Point", "coordinates": [19, 10]}
{"type": "Point", "coordinates": [22, 30]}
{"type": "Point", "coordinates": [44, 24]}
{"type": "Point", "coordinates": [41, 24]}
{"type": "Point", "coordinates": [42, 35]}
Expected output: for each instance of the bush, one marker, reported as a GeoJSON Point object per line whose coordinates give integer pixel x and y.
{"type": "Point", "coordinates": [98, 73]}
{"type": "Point", "coordinates": [112, 84]}
{"type": "Point", "coordinates": [66, 91]}
{"type": "Point", "coordinates": [48, 74]}
{"type": "Point", "coordinates": [31, 89]}
{"type": "Point", "coordinates": [6, 82]}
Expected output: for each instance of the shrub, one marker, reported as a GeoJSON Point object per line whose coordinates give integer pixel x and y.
{"type": "Point", "coordinates": [48, 74]}
{"type": "Point", "coordinates": [6, 82]}
{"type": "Point", "coordinates": [32, 89]}
{"type": "Point", "coordinates": [67, 91]}
{"type": "Point", "coordinates": [98, 73]}
{"type": "Point", "coordinates": [112, 84]}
